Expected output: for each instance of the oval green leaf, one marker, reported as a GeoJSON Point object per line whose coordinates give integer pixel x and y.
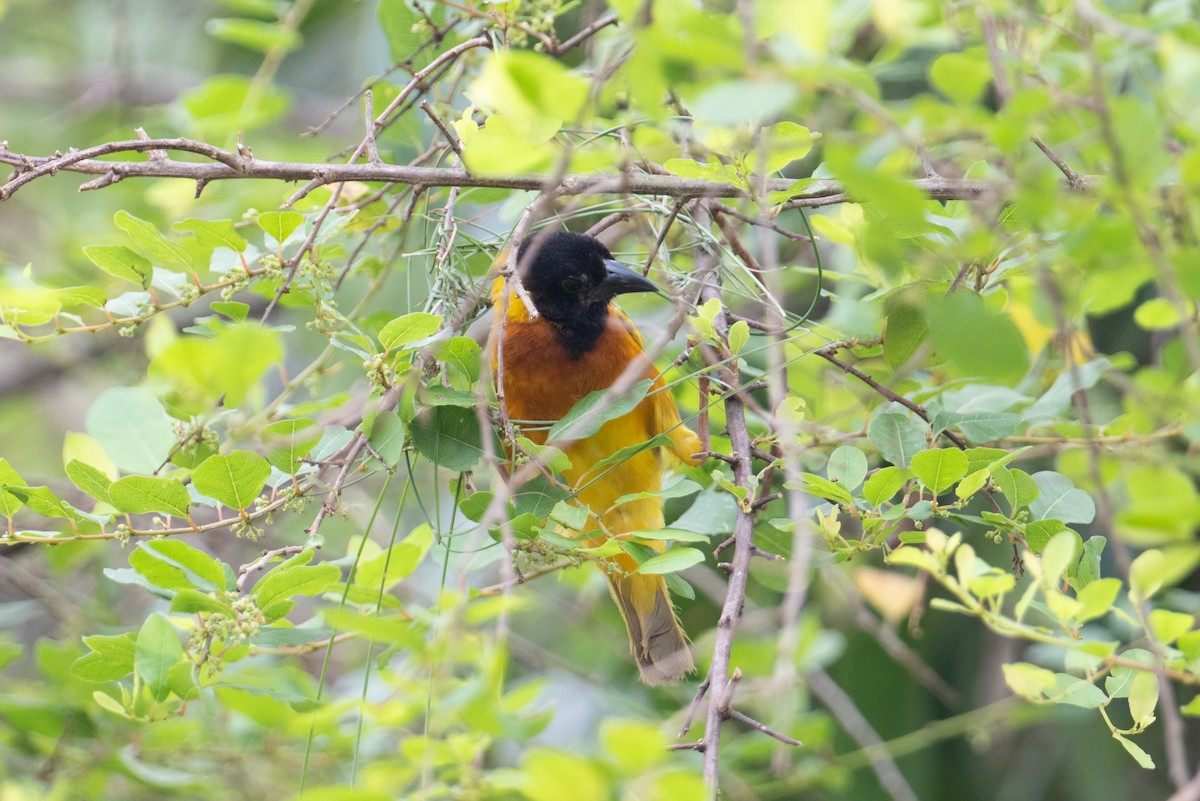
{"type": "Point", "coordinates": [235, 479]}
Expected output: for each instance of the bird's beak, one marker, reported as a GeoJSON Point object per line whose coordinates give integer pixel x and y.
{"type": "Point", "coordinates": [622, 279]}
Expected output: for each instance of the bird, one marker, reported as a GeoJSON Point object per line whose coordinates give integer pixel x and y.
{"type": "Point", "coordinates": [580, 342]}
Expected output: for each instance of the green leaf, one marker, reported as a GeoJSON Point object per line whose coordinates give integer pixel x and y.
{"type": "Point", "coordinates": [189, 602]}
{"type": "Point", "coordinates": [293, 578]}
{"type": "Point", "coordinates": [1058, 554]}
{"type": "Point", "coordinates": [978, 341]}
{"type": "Point", "coordinates": [897, 437]}
{"type": "Point", "coordinates": [739, 335]}
{"type": "Point", "coordinates": [824, 488]}
{"type": "Point", "coordinates": [526, 87]}
{"type": "Point", "coordinates": [393, 565]}
{"type": "Point", "coordinates": [979, 458]}
{"type": "Point", "coordinates": [41, 500]}
{"type": "Point", "coordinates": [1120, 680]}
{"type": "Point", "coordinates": [475, 505]}
{"type": "Point", "coordinates": [141, 494]}
{"type": "Point", "coordinates": [680, 488]}
{"type": "Point", "coordinates": [885, 483]}
{"type": "Point", "coordinates": [110, 659]}
{"type": "Point", "coordinates": [409, 328]}
{"type": "Point", "coordinates": [279, 225]}
{"type": "Point", "coordinates": [921, 510]}
{"type": "Point", "coordinates": [1031, 682]}
{"type": "Point", "coordinates": [938, 469]}
{"type": "Point", "coordinates": [1077, 692]}
{"type": "Point", "coordinates": [1058, 397]}
{"type": "Point", "coordinates": [438, 395]}
{"type": "Point", "coordinates": [1169, 626]}
{"type": "Point", "coordinates": [254, 34]}
{"type": "Point", "coordinates": [462, 353]}
{"type": "Point", "coordinates": [289, 441]}
{"type": "Point", "coordinates": [1147, 574]}
{"type": "Point", "coordinates": [1088, 569]}
{"type": "Point", "coordinates": [667, 535]}
{"type": "Point", "coordinates": [906, 328]}
{"type": "Point", "coordinates": [448, 436]}
{"type": "Point", "coordinates": [231, 102]}
{"type": "Point", "coordinates": [1040, 532]}
{"type": "Point", "coordinates": [132, 427]}
{"type": "Point", "coordinates": [396, 20]}
{"type": "Point", "coordinates": [387, 438]}
{"type": "Point", "coordinates": [1017, 486]}
{"type": "Point", "coordinates": [235, 480]}
{"type": "Point", "coordinates": [121, 262]}
{"type": "Point", "coordinates": [213, 233]}
{"type": "Point", "coordinates": [228, 364]}
{"type": "Point", "coordinates": [527, 526]}
{"type": "Point", "coordinates": [72, 296]}
{"type": "Point", "coordinates": [1135, 751]}
{"type": "Point", "coordinates": [847, 466]}
{"type": "Point", "coordinates": [1059, 499]}
{"type": "Point", "coordinates": [897, 205]}
{"type": "Point", "coordinates": [991, 584]}
{"type": "Point", "coordinates": [1156, 314]}
{"type": "Point", "coordinates": [962, 77]}
{"type": "Point", "coordinates": [157, 651]}
{"type": "Point", "coordinates": [110, 704]}
{"type": "Point", "coordinates": [569, 515]}
{"type": "Point", "coordinates": [538, 497]}
{"type": "Point", "coordinates": [971, 484]}
{"type": "Point", "coordinates": [1097, 599]}
{"type": "Point", "coordinates": [89, 479]}
{"type": "Point", "coordinates": [580, 423]}
{"type": "Point", "coordinates": [783, 143]}
{"type": "Point", "coordinates": [980, 426]}
{"type": "Point", "coordinates": [635, 745]}
{"type": "Point", "coordinates": [629, 451]}
{"type": "Point", "coordinates": [232, 309]}
{"type": "Point", "coordinates": [672, 561]}
{"type": "Point", "coordinates": [173, 564]}
{"type": "Point", "coordinates": [1192, 707]}
{"type": "Point", "coordinates": [149, 240]}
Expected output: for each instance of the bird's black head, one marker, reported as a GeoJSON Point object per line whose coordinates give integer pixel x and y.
{"type": "Point", "coordinates": [571, 278]}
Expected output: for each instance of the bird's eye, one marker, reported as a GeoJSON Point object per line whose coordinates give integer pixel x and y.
{"type": "Point", "coordinates": [571, 284]}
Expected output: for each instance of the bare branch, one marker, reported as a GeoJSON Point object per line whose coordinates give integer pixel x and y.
{"type": "Point", "coordinates": [229, 166]}
{"type": "Point", "coordinates": [1073, 178]}
{"type": "Point", "coordinates": [858, 727]}
{"type": "Point", "coordinates": [451, 139]}
{"type": "Point", "coordinates": [584, 34]}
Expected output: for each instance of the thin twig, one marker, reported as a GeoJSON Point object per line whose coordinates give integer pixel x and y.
{"type": "Point", "coordinates": [1073, 178]}
{"type": "Point", "coordinates": [847, 714]}
{"type": "Point", "coordinates": [828, 352]}
{"type": "Point", "coordinates": [261, 563]}
{"type": "Point", "coordinates": [584, 34]}
{"type": "Point", "coordinates": [449, 136]}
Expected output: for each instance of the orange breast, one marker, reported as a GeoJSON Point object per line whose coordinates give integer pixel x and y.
{"type": "Point", "coordinates": [542, 383]}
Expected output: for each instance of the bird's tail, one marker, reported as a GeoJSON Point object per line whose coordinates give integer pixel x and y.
{"type": "Point", "coordinates": [655, 636]}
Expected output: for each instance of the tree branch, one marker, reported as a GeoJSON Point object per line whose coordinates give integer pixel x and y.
{"type": "Point", "coordinates": [230, 166]}
{"type": "Point", "coordinates": [827, 352]}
